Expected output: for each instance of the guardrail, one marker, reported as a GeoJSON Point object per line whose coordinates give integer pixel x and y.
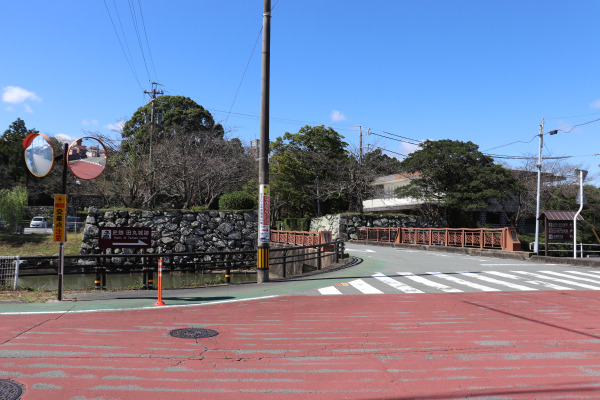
{"type": "Point", "coordinates": [502, 239]}
{"type": "Point", "coordinates": [282, 263]}
{"type": "Point", "coordinates": [567, 249]}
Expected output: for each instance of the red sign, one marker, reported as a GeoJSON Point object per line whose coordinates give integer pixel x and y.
{"type": "Point", "coordinates": [125, 237]}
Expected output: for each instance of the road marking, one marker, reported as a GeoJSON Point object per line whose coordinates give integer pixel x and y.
{"type": "Point", "coordinates": [572, 277]}
{"type": "Point", "coordinates": [541, 283]}
{"type": "Point", "coordinates": [329, 290]}
{"type": "Point", "coordinates": [496, 281]}
{"type": "Point", "coordinates": [463, 282]}
{"type": "Point", "coordinates": [396, 284]}
{"type": "Point", "coordinates": [427, 282]}
{"type": "Point", "coordinates": [583, 273]}
{"type": "Point", "coordinates": [568, 282]}
{"type": "Point", "coordinates": [365, 287]}
{"type": "Point", "coordinates": [361, 251]}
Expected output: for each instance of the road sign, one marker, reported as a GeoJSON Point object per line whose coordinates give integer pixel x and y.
{"type": "Point", "coordinates": [60, 218]}
{"type": "Point", "coordinates": [560, 231]}
{"type": "Point", "coordinates": [124, 237]}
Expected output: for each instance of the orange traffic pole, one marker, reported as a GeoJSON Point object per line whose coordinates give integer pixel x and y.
{"type": "Point", "coordinates": [159, 302]}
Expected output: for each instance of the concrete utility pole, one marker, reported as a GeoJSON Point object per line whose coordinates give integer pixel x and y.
{"type": "Point", "coordinates": [264, 215]}
{"type": "Point", "coordinates": [153, 95]}
{"type": "Point", "coordinates": [539, 195]}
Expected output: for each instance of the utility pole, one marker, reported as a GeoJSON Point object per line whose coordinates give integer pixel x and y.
{"type": "Point", "coordinates": [264, 214]}
{"type": "Point", "coordinates": [153, 95]}
{"type": "Point", "coordinates": [536, 245]}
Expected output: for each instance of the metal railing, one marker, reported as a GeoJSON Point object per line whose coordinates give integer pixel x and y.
{"type": "Point", "coordinates": [281, 259]}
{"type": "Point", "coordinates": [566, 249]}
{"type": "Point", "coordinates": [502, 239]}
{"type": "Point", "coordinates": [295, 237]}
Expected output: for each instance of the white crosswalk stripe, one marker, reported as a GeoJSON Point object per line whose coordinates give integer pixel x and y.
{"type": "Point", "coordinates": [396, 284]}
{"type": "Point", "coordinates": [430, 283]}
{"type": "Point", "coordinates": [457, 282]}
{"type": "Point", "coordinates": [496, 281]}
{"type": "Point", "coordinates": [365, 287]}
{"type": "Point", "coordinates": [463, 282]}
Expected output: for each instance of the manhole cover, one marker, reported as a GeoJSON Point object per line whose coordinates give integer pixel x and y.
{"type": "Point", "coordinates": [9, 390]}
{"type": "Point", "coordinates": [193, 333]}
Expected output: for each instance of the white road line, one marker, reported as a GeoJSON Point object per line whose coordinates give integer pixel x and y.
{"type": "Point", "coordinates": [568, 282]}
{"type": "Point", "coordinates": [540, 283]}
{"type": "Point", "coordinates": [578, 278]}
{"type": "Point", "coordinates": [583, 273]}
{"type": "Point", "coordinates": [463, 282]}
{"type": "Point", "coordinates": [396, 284]}
{"type": "Point", "coordinates": [329, 290]}
{"type": "Point", "coordinates": [365, 287]}
{"type": "Point", "coordinates": [496, 281]}
{"type": "Point", "coordinates": [501, 265]}
{"type": "Point", "coordinates": [424, 281]}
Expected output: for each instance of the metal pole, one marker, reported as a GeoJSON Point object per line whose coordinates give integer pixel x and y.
{"type": "Point", "coordinates": [262, 259]}
{"type": "Point", "coordinates": [578, 212]}
{"type": "Point", "coordinates": [539, 195]}
{"type": "Point", "coordinates": [61, 249]}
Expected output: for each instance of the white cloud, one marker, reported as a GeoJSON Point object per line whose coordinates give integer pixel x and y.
{"type": "Point", "coordinates": [337, 116]}
{"type": "Point", "coordinates": [62, 138]}
{"type": "Point", "coordinates": [85, 122]}
{"type": "Point", "coordinates": [407, 148]}
{"type": "Point", "coordinates": [116, 127]}
{"type": "Point", "coordinates": [28, 109]}
{"type": "Point", "coordinates": [595, 104]}
{"type": "Point", "coordinates": [15, 94]}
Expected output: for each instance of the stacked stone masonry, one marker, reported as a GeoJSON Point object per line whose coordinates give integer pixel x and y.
{"type": "Point", "coordinates": [177, 231]}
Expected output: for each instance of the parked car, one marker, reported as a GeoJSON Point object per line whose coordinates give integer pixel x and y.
{"type": "Point", "coordinates": [39, 222]}
{"type": "Point", "coordinates": [72, 223]}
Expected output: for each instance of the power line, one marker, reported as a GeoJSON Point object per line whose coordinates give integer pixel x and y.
{"type": "Point", "coordinates": [243, 75]}
{"type": "Point", "coordinates": [128, 59]}
{"type": "Point", "coordinates": [403, 137]}
{"type": "Point", "coordinates": [147, 41]}
{"type": "Point", "coordinates": [575, 126]}
{"type": "Point", "coordinates": [391, 138]}
{"type": "Point", "coordinates": [508, 144]}
{"type": "Point", "coordinates": [139, 38]}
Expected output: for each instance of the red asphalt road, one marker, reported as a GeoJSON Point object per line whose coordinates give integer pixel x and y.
{"type": "Point", "coordinates": [85, 170]}
{"type": "Point", "coordinates": [509, 345]}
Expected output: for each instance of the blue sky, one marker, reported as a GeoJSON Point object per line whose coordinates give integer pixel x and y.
{"type": "Point", "coordinates": [470, 70]}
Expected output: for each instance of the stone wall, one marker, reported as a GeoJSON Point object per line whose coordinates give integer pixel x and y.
{"type": "Point", "coordinates": [177, 231]}
{"type": "Point", "coordinates": [343, 226]}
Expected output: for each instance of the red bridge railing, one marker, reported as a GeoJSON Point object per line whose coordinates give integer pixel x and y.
{"type": "Point", "coordinates": [301, 238]}
{"type": "Point", "coordinates": [502, 239]}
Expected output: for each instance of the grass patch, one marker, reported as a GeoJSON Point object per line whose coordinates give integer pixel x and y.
{"type": "Point", "coordinates": [28, 295]}
{"type": "Point", "coordinates": [37, 244]}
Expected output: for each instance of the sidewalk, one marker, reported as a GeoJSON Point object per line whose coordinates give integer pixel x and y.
{"type": "Point", "coordinates": [442, 346]}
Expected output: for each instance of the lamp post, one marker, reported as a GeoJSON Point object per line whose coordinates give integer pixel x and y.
{"type": "Point", "coordinates": [581, 174]}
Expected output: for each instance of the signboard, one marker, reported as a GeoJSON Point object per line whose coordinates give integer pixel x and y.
{"type": "Point", "coordinates": [560, 231]}
{"type": "Point", "coordinates": [60, 218]}
{"type": "Point", "coordinates": [126, 237]}
{"type": "Point", "coordinates": [264, 214]}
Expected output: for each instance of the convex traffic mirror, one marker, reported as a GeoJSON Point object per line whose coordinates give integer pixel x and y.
{"type": "Point", "coordinates": [86, 158]}
{"type": "Point", "coordinates": [39, 154]}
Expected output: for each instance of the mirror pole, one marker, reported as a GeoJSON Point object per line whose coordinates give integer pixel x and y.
{"type": "Point", "coordinates": [61, 249]}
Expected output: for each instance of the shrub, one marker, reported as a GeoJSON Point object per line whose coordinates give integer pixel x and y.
{"type": "Point", "coordinates": [237, 201]}
{"type": "Point", "coordinates": [296, 224]}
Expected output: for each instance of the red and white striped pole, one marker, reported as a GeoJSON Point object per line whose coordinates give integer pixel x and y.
{"type": "Point", "coordinates": [159, 302]}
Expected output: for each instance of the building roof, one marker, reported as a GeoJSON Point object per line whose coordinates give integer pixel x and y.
{"type": "Point", "coordinates": [559, 215]}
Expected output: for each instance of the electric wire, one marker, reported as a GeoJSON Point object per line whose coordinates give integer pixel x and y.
{"type": "Point", "coordinates": [147, 41]}
{"type": "Point", "coordinates": [576, 125]}
{"type": "Point", "coordinates": [508, 144]}
{"type": "Point", "coordinates": [139, 38]}
{"type": "Point", "coordinates": [129, 61]}
{"type": "Point", "coordinates": [404, 137]}
{"type": "Point", "coordinates": [243, 75]}
{"type": "Point", "coordinates": [391, 138]}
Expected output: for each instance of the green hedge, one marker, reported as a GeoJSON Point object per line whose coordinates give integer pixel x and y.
{"type": "Point", "coordinates": [296, 224]}
{"type": "Point", "coordinates": [237, 201]}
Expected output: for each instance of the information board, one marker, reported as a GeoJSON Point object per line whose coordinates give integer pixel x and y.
{"type": "Point", "coordinates": [60, 218]}
{"type": "Point", "coordinates": [560, 231]}
{"type": "Point", "coordinates": [124, 237]}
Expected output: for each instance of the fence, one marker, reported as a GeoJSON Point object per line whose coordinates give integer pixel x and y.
{"type": "Point", "coordinates": [502, 239]}
{"type": "Point", "coordinates": [9, 272]}
{"type": "Point", "coordinates": [566, 249]}
{"type": "Point", "coordinates": [282, 262]}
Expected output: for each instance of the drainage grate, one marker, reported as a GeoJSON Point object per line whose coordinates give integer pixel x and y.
{"type": "Point", "coordinates": [9, 390]}
{"type": "Point", "coordinates": [193, 333]}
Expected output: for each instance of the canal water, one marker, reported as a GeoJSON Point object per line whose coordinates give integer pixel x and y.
{"type": "Point", "coordinates": [130, 281]}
